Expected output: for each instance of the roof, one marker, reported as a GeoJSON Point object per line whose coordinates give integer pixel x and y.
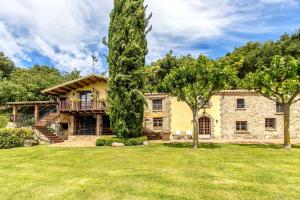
{"type": "Point", "coordinates": [74, 84]}
{"type": "Point", "coordinates": [238, 92]}
{"type": "Point", "coordinates": [28, 103]}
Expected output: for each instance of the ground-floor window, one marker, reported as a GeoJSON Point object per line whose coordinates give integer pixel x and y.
{"type": "Point", "coordinates": [157, 123]}
{"type": "Point", "coordinates": [270, 123]}
{"type": "Point", "coordinates": [241, 126]}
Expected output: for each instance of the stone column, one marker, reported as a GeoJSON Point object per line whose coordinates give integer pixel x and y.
{"type": "Point", "coordinates": [99, 126]}
{"type": "Point", "coordinates": [72, 128]}
{"type": "Point", "coordinates": [15, 113]}
{"type": "Point", "coordinates": [36, 113]}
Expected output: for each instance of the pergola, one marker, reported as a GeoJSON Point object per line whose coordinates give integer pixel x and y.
{"type": "Point", "coordinates": [35, 104]}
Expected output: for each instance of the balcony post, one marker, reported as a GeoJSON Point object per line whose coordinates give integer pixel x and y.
{"type": "Point", "coordinates": [36, 113]}
{"type": "Point", "coordinates": [15, 113]}
{"type": "Point", "coordinates": [99, 127]}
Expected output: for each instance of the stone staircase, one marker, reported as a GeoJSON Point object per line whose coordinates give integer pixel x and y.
{"type": "Point", "coordinates": [50, 117]}
{"type": "Point", "coordinates": [51, 136]}
{"type": "Point", "coordinates": [41, 126]}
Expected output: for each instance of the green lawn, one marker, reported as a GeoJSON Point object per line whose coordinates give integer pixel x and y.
{"type": "Point", "coordinates": [154, 172]}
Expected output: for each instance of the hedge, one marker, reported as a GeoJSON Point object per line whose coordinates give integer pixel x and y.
{"type": "Point", "coordinates": [107, 141]}
{"type": "Point", "coordinates": [14, 137]}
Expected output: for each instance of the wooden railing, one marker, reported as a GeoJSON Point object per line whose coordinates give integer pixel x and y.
{"type": "Point", "coordinates": [82, 106]}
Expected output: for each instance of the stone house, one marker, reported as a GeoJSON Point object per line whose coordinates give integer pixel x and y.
{"type": "Point", "coordinates": [81, 109]}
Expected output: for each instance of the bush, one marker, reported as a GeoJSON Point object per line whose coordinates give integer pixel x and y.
{"type": "Point", "coordinates": [4, 119]}
{"type": "Point", "coordinates": [14, 137]}
{"type": "Point", "coordinates": [107, 141]}
{"type": "Point", "coordinates": [135, 141]}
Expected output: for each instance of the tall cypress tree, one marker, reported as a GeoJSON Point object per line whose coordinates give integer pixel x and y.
{"type": "Point", "coordinates": [127, 50]}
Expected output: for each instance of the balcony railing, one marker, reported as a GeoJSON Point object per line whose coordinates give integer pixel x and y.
{"type": "Point", "coordinates": [82, 106]}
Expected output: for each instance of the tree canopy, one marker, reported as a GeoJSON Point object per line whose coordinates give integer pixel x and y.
{"type": "Point", "coordinates": [6, 66]}
{"type": "Point", "coordinates": [280, 81]}
{"type": "Point", "coordinates": [250, 57]}
{"type": "Point", "coordinates": [195, 81]}
{"type": "Point", "coordinates": [26, 84]}
{"type": "Point", "coordinates": [127, 50]}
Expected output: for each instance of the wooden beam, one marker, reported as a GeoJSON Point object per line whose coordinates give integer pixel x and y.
{"type": "Point", "coordinates": [100, 79]}
{"type": "Point", "coordinates": [70, 87]}
{"type": "Point", "coordinates": [90, 79]}
{"type": "Point", "coordinates": [87, 84]}
{"type": "Point", "coordinates": [36, 113]}
{"type": "Point", "coordinates": [66, 90]}
{"type": "Point", "coordinates": [78, 85]}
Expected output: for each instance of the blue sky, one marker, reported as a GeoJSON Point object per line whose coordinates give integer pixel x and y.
{"type": "Point", "coordinates": [65, 33]}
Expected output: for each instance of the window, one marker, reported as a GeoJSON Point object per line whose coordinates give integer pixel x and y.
{"type": "Point", "coordinates": [157, 105]}
{"type": "Point", "coordinates": [270, 123]}
{"type": "Point", "coordinates": [240, 103]}
{"type": "Point", "coordinates": [279, 107]}
{"type": "Point", "coordinates": [157, 123]}
{"type": "Point", "coordinates": [241, 126]}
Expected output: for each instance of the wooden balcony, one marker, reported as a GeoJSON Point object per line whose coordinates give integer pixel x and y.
{"type": "Point", "coordinates": [85, 107]}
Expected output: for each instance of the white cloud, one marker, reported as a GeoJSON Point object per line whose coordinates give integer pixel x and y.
{"type": "Point", "coordinates": [60, 30]}
{"type": "Point", "coordinates": [70, 31]}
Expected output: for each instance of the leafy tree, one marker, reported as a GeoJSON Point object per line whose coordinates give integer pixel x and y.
{"type": "Point", "coordinates": [279, 82]}
{"type": "Point", "coordinates": [195, 81]}
{"type": "Point", "coordinates": [27, 84]}
{"type": "Point", "coordinates": [251, 56]}
{"type": "Point", "coordinates": [6, 66]}
{"type": "Point", "coordinates": [69, 76]}
{"type": "Point", "coordinates": [127, 50]}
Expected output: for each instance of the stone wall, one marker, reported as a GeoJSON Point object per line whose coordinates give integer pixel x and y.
{"type": "Point", "coordinates": [150, 114]}
{"type": "Point", "coordinates": [257, 109]}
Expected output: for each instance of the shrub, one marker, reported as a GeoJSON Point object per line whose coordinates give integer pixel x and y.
{"type": "Point", "coordinates": [14, 137]}
{"type": "Point", "coordinates": [4, 119]}
{"type": "Point", "coordinates": [107, 141]}
{"type": "Point", "coordinates": [135, 141]}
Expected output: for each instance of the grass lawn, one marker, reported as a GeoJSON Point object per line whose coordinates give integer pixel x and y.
{"type": "Point", "coordinates": [173, 171]}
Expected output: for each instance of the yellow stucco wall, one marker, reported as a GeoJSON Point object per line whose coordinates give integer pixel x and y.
{"type": "Point", "coordinates": [181, 116]}
{"type": "Point", "coordinates": [99, 86]}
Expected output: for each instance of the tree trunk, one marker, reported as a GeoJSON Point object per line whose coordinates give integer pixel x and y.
{"type": "Point", "coordinates": [286, 122]}
{"type": "Point", "coordinates": [195, 129]}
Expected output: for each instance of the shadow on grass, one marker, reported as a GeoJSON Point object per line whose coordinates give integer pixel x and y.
{"type": "Point", "coordinates": [190, 145]}
{"type": "Point", "coordinates": [216, 146]}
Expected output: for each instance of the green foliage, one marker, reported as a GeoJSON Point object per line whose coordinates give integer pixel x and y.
{"type": "Point", "coordinates": [195, 81]}
{"type": "Point", "coordinates": [155, 74]}
{"type": "Point", "coordinates": [250, 57]}
{"type": "Point", "coordinates": [4, 119]}
{"type": "Point", "coordinates": [127, 50]}
{"type": "Point", "coordinates": [14, 137]}
{"type": "Point", "coordinates": [107, 141]}
{"type": "Point", "coordinates": [280, 81]}
{"type": "Point", "coordinates": [6, 66]}
{"type": "Point", "coordinates": [27, 84]}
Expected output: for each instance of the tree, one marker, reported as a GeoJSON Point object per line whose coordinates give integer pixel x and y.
{"type": "Point", "coordinates": [279, 82]}
{"type": "Point", "coordinates": [195, 81]}
{"type": "Point", "coordinates": [127, 50]}
{"type": "Point", "coordinates": [27, 84]}
{"type": "Point", "coordinates": [250, 57]}
{"type": "Point", "coordinates": [6, 66]}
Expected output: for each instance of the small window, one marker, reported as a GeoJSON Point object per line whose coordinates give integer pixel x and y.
{"type": "Point", "coordinates": [270, 123]}
{"type": "Point", "coordinates": [279, 107]}
{"type": "Point", "coordinates": [157, 123]}
{"type": "Point", "coordinates": [240, 103]}
{"type": "Point", "coordinates": [157, 105]}
{"type": "Point", "coordinates": [241, 126]}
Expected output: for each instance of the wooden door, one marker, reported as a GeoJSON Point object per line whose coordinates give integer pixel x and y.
{"type": "Point", "coordinates": [204, 126]}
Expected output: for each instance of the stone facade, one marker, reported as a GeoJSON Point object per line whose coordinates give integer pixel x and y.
{"type": "Point", "coordinates": [151, 114]}
{"type": "Point", "coordinates": [257, 109]}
